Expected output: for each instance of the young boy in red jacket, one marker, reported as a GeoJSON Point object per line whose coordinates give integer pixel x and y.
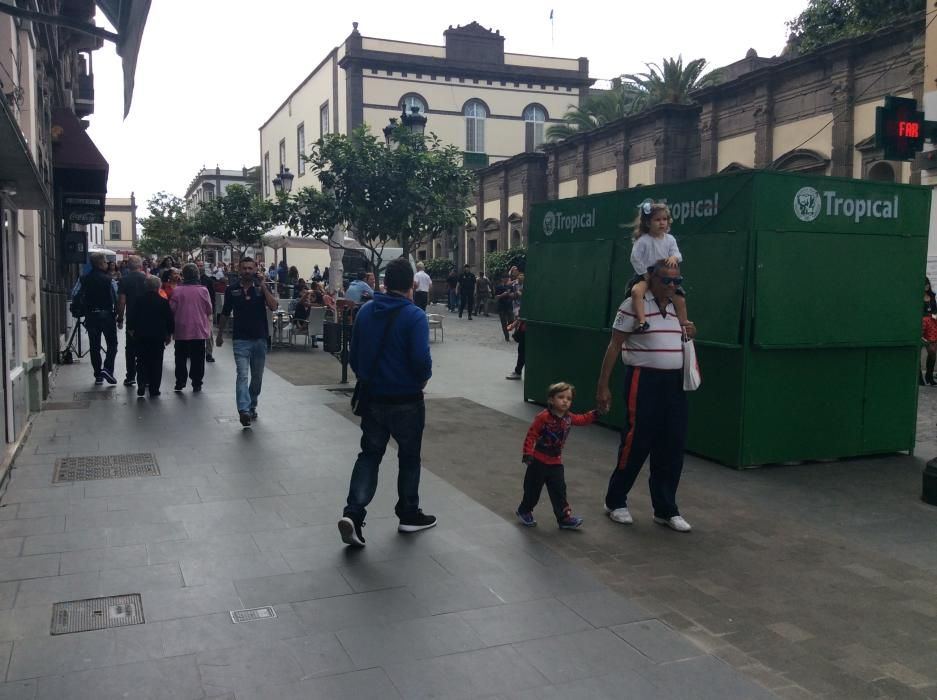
{"type": "Point", "coordinates": [543, 455]}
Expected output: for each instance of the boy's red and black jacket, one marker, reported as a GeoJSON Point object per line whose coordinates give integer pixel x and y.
{"type": "Point", "coordinates": [548, 433]}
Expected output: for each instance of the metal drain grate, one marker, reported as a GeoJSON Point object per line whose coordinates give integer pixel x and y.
{"type": "Point", "coordinates": [105, 467]}
{"type": "Point", "coordinates": [97, 613]}
{"type": "Point", "coordinates": [64, 405]}
{"type": "Point", "coordinates": [97, 395]}
{"type": "Point", "coordinates": [252, 614]}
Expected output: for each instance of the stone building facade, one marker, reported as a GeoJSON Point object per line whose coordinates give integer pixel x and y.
{"type": "Point", "coordinates": [812, 113]}
{"type": "Point", "coordinates": [119, 230]}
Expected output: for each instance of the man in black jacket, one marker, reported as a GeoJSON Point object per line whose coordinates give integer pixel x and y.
{"type": "Point", "coordinates": [99, 298]}
{"type": "Point", "coordinates": [150, 322]}
{"type": "Point", "coordinates": [129, 290]}
{"type": "Point", "coordinates": [466, 291]}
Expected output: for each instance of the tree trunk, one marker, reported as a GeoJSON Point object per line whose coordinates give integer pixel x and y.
{"type": "Point", "coordinates": [336, 269]}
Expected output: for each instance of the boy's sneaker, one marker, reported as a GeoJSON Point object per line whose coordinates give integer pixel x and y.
{"type": "Point", "coordinates": [351, 532]}
{"type": "Point", "coordinates": [129, 382]}
{"type": "Point", "coordinates": [209, 358]}
{"type": "Point", "coordinates": [417, 522]}
{"type": "Point", "coordinates": [108, 376]}
{"type": "Point", "coordinates": [141, 390]}
{"type": "Point", "coordinates": [98, 380]}
{"type": "Point", "coordinates": [245, 418]}
{"type": "Point", "coordinates": [619, 515]}
{"type": "Point", "coordinates": [525, 519]}
{"type": "Point", "coordinates": [513, 375]}
{"type": "Point", "coordinates": [570, 522]}
{"type": "Point", "coordinates": [675, 523]}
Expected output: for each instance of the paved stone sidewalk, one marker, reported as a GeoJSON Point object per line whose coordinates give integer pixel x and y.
{"type": "Point", "coordinates": [246, 518]}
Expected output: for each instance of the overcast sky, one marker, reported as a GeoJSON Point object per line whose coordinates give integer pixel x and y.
{"type": "Point", "coordinates": [212, 71]}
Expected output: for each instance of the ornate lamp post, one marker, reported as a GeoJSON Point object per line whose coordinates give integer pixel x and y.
{"type": "Point", "coordinates": [282, 185]}
{"type": "Point", "coordinates": [414, 121]}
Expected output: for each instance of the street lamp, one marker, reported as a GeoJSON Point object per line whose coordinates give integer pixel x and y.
{"type": "Point", "coordinates": [414, 122]}
{"type": "Point", "coordinates": [282, 184]}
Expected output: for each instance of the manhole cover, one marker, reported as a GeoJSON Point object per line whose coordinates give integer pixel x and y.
{"type": "Point", "coordinates": [105, 467]}
{"type": "Point", "coordinates": [97, 395]}
{"type": "Point", "coordinates": [97, 614]}
{"type": "Point", "coordinates": [63, 405]}
{"type": "Point", "coordinates": [252, 614]}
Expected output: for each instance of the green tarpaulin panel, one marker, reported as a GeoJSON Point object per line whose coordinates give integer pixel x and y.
{"type": "Point", "coordinates": [805, 291]}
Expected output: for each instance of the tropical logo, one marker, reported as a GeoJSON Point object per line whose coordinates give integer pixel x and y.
{"type": "Point", "coordinates": [807, 204]}
{"type": "Point", "coordinates": [549, 223]}
{"type": "Point", "coordinates": [554, 221]}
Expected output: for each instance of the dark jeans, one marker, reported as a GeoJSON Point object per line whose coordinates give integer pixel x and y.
{"type": "Point", "coordinates": [521, 351]}
{"type": "Point", "coordinates": [100, 323]}
{"type": "Point", "coordinates": [130, 357]}
{"type": "Point", "coordinates": [149, 364]}
{"type": "Point", "coordinates": [381, 421]}
{"type": "Point", "coordinates": [553, 476]}
{"type": "Point", "coordinates": [193, 353]}
{"type": "Point", "coordinates": [421, 299]}
{"type": "Point", "coordinates": [453, 300]}
{"type": "Point", "coordinates": [507, 317]}
{"type": "Point", "coordinates": [467, 301]}
{"type": "Point", "coordinates": [655, 425]}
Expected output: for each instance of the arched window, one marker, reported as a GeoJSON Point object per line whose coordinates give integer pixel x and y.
{"type": "Point", "coordinates": [534, 118]}
{"type": "Point", "coordinates": [408, 102]}
{"type": "Point", "coordinates": [475, 115]}
{"type": "Point", "coordinates": [115, 230]}
{"type": "Point", "coordinates": [882, 172]}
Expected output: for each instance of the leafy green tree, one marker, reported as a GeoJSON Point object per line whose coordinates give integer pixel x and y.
{"type": "Point", "coordinates": [500, 262]}
{"type": "Point", "coordinates": [826, 21]}
{"type": "Point", "coordinates": [438, 268]}
{"type": "Point", "coordinates": [166, 230]}
{"type": "Point", "coordinates": [598, 109]}
{"type": "Point", "coordinates": [411, 193]}
{"type": "Point", "coordinates": [239, 218]}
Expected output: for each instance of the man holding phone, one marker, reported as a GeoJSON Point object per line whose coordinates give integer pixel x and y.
{"type": "Point", "coordinates": [249, 300]}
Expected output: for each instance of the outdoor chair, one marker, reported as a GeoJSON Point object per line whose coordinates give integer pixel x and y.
{"type": "Point", "coordinates": [435, 322]}
{"type": "Point", "coordinates": [311, 328]}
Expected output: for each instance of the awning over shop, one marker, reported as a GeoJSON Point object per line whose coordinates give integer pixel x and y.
{"type": "Point", "coordinates": [129, 18]}
{"type": "Point", "coordinates": [18, 171]}
{"type": "Point", "coordinates": [80, 169]}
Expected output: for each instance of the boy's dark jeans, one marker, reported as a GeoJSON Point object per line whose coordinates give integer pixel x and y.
{"type": "Point", "coordinates": [381, 421]}
{"type": "Point", "coordinates": [99, 323]}
{"type": "Point", "coordinates": [149, 363]}
{"type": "Point", "coordinates": [553, 476]}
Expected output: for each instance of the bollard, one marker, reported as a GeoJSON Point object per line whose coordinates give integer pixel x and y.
{"type": "Point", "coordinates": [929, 485]}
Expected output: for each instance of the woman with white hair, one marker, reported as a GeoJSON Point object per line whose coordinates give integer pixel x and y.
{"type": "Point", "coordinates": [191, 308]}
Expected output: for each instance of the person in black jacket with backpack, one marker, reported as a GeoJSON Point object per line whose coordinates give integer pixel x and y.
{"type": "Point", "coordinates": [97, 299]}
{"type": "Point", "coordinates": [151, 324]}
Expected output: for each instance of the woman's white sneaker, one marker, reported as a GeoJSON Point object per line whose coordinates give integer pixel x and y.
{"type": "Point", "coordinates": [619, 515]}
{"type": "Point", "coordinates": [675, 523]}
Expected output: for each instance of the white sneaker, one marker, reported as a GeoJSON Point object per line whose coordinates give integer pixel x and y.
{"type": "Point", "coordinates": [675, 523]}
{"type": "Point", "coordinates": [619, 515]}
{"type": "Point", "coordinates": [513, 375]}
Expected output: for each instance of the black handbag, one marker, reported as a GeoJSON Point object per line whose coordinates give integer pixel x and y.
{"type": "Point", "coordinates": [359, 399]}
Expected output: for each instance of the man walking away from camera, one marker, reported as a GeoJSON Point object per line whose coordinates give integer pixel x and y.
{"type": "Point", "coordinates": [390, 356]}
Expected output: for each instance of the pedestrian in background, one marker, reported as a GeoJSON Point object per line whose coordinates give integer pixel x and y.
{"type": "Point", "coordinates": [390, 356]}
{"type": "Point", "coordinates": [543, 455]}
{"type": "Point", "coordinates": [150, 323]}
{"type": "Point", "coordinates": [422, 283]}
{"type": "Point", "coordinates": [191, 309]}
{"type": "Point", "coordinates": [482, 293]}
{"type": "Point", "coordinates": [466, 291]}
{"type": "Point", "coordinates": [209, 283]}
{"type": "Point", "coordinates": [248, 300]}
{"type": "Point", "coordinates": [129, 290]}
{"type": "Point", "coordinates": [504, 301]}
{"type": "Point", "coordinates": [452, 282]}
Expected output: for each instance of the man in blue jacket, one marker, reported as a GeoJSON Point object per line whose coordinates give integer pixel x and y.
{"type": "Point", "coordinates": [390, 357]}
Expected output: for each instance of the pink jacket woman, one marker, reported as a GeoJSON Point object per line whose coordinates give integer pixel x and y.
{"type": "Point", "coordinates": [191, 310]}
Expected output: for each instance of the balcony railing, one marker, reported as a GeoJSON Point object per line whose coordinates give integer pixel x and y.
{"type": "Point", "coordinates": [475, 161]}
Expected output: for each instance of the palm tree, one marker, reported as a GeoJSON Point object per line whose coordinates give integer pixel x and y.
{"type": "Point", "coordinates": [672, 83]}
{"type": "Point", "coordinates": [634, 92]}
{"type": "Point", "coordinates": [599, 108]}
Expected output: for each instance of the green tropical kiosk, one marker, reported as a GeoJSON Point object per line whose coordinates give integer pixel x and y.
{"type": "Point", "coordinates": [805, 291]}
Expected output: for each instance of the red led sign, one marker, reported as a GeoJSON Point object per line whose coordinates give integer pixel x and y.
{"type": "Point", "coordinates": [899, 128]}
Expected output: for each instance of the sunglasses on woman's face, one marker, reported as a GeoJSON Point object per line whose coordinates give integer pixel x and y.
{"type": "Point", "coordinates": [676, 281]}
